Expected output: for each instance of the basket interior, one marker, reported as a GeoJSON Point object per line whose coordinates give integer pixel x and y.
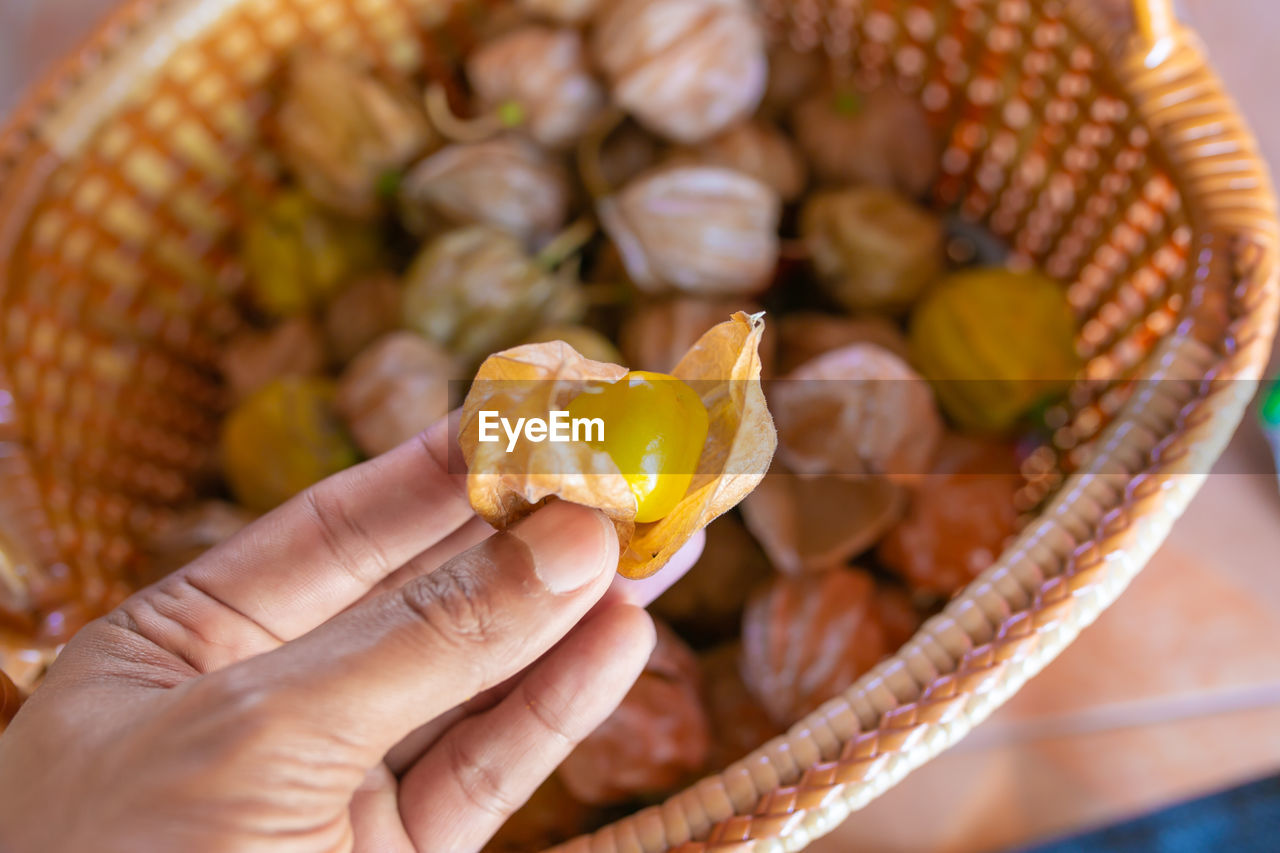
{"type": "Point", "coordinates": [118, 294]}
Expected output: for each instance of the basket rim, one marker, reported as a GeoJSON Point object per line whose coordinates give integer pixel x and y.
{"type": "Point", "coordinates": [995, 635]}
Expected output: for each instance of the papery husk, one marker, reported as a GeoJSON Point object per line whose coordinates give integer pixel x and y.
{"type": "Point", "coordinates": [856, 411]}
{"type": "Point", "coordinates": [364, 311]}
{"type": "Point", "coordinates": [506, 182]}
{"type": "Point", "coordinates": [805, 335]}
{"type": "Point", "coordinates": [341, 131]}
{"type": "Point", "coordinates": [738, 722]}
{"type": "Point", "coordinates": [394, 390]}
{"type": "Point", "coordinates": [586, 340]}
{"type": "Point", "coordinates": [706, 604]}
{"type": "Point", "coordinates": [686, 69]}
{"type": "Point", "coordinates": [656, 739]}
{"type": "Point", "coordinates": [532, 380]}
{"type": "Point", "coordinates": [883, 138]}
{"type": "Point", "coordinates": [546, 72]}
{"type": "Point", "coordinates": [806, 639]}
{"type": "Point", "coordinates": [756, 148]}
{"type": "Point", "coordinates": [959, 518]}
{"type": "Point", "coordinates": [812, 524]}
{"type": "Point", "coordinates": [701, 230]}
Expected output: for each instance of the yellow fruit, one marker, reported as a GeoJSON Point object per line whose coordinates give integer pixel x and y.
{"type": "Point", "coordinates": [655, 427]}
{"type": "Point", "coordinates": [298, 256]}
{"type": "Point", "coordinates": [994, 343]}
{"type": "Point", "coordinates": [283, 439]}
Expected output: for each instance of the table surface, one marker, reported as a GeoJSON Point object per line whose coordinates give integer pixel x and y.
{"type": "Point", "coordinates": [1192, 705]}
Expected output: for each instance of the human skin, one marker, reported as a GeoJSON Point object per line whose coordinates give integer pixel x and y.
{"type": "Point", "coordinates": [369, 667]}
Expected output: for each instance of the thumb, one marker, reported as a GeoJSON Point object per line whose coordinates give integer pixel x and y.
{"type": "Point", "coordinates": [382, 669]}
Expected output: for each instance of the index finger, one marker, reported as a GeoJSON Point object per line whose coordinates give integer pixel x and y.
{"type": "Point", "coordinates": [311, 558]}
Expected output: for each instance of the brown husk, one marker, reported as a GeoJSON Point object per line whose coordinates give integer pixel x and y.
{"type": "Point", "coordinates": [532, 380]}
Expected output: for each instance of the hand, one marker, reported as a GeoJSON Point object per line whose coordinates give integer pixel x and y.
{"type": "Point", "coordinates": [369, 667]}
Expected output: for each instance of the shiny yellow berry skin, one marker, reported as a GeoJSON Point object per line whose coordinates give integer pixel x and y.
{"type": "Point", "coordinates": [655, 427]}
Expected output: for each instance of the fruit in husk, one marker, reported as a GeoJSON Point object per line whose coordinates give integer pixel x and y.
{"type": "Point", "coordinates": [534, 380]}
{"type": "Point", "coordinates": [298, 255]}
{"type": "Point", "coordinates": [805, 335]}
{"type": "Point", "coordinates": [657, 428]}
{"type": "Point", "coordinates": [995, 344]}
{"type": "Point", "coordinates": [394, 390]}
{"type": "Point", "coordinates": [701, 230]}
{"type": "Point", "coordinates": [686, 69]}
{"type": "Point", "coordinates": [739, 724]}
{"type": "Point", "coordinates": [756, 148]}
{"type": "Point", "coordinates": [882, 137]}
{"type": "Point", "coordinates": [805, 639]}
{"type": "Point", "coordinates": [873, 250]}
{"type": "Point", "coordinates": [345, 134]}
{"type": "Point", "coordinates": [811, 524]}
{"type": "Point", "coordinates": [282, 439]}
{"type": "Point", "coordinates": [856, 411]}
{"type": "Point", "coordinates": [364, 311]}
{"type": "Point", "coordinates": [540, 75]}
{"type": "Point", "coordinates": [655, 740]}
{"type": "Point", "coordinates": [474, 291]}
{"type": "Point", "coordinates": [255, 358]}
{"type": "Point", "coordinates": [707, 602]}
{"type": "Point", "coordinates": [959, 517]}
{"type": "Point", "coordinates": [506, 182]}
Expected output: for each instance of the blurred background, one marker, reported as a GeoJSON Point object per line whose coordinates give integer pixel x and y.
{"type": "Point", "coordinates": [1173, 694]}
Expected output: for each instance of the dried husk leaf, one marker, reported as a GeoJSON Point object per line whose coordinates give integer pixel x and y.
{"type": "Point", "coordinates": [686, 69]}
{"type": "Point", "coordinates": [959, 518]}
{"type": "Point", "coordinates": [586, 340]}
{"type": "Point", "coordinates": [545, 71]}
{"type": "Point", "coordinates": [656, 739]}
{"type": "Point", "coordinates": [394, 390]}
{"type": "Point", "coordinates": [856, 411]}
{"type": "Point", "coordinates": [755, 148]}
{"type": "Point", "coordinates": [342, 130]}
{"type": "Point", "coordinates": [806, 639]}
{"type": "Point", "coordinates": [702, 230]}
{"type": "Point", "coordinates": [254, 359]}
{"type": "Point", "coordinates": [532, 380]}
{"type": "Point", "coordinates": [881, 138]}
{"type": "Point", "coordinates": [805, 335]}
{"type": "Point", "coordinates": [506, 182]}
{"type": "Point", "coordinates": [812, 524]}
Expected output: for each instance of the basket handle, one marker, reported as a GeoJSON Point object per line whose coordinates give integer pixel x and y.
{"type": "Point", "coordinates": [1156, 20]}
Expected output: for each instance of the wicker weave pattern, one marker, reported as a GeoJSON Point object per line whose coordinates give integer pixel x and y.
{"type": "Point", "coordinates": [1115, 163]}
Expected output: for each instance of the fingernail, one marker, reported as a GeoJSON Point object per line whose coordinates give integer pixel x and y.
{"type": "Point", "coordinates": [569, 543]}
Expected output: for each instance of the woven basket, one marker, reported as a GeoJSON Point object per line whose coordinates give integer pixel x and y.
{"type": "Point", "coordinates": [1113, 160]}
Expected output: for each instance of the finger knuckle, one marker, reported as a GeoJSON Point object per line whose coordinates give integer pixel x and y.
{"type": "Point", "coordinates": [481, 784]}
{"type": "Point", "coordinates": [344, 537]}
{"type": "Point", "coordinates": [454, 605]}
